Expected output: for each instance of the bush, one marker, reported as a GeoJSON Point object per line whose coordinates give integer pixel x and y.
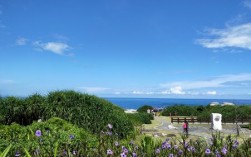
{"type": "Point", "coordinates": [140, 118]}
{"type": "Point", "coordinates": [203, 113]}
{"type": "Point", "coordinates": [86, 111]}
{"type": "Point", "coordinates": [180, 110]}
{"type": "Point", "coordinates": [21, 111]}
{"type": "Point", "coordinates": [229, 113]}
{"type": "Point", "coordinates": [144, 108]}
{"type": "Point", "coordinates": [46, 138]}
{"type": "Point", "coordinates": [71, 143]}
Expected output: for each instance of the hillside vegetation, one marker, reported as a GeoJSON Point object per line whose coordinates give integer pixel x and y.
{"type": "Point", "coordinates": [86, 111]}
{"type": "Point", "coordinates": [203, 113]}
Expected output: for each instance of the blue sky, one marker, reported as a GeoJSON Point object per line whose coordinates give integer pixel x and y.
{"type": "Point", "coordinates": [126, 48]}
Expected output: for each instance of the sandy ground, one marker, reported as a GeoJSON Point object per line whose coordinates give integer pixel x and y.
{"type": "Point", "coordinates": [160, 127]}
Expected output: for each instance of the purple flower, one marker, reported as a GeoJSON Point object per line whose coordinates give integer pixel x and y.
{"type": "Point", "coordinates": [109, 126]}
{"type": "Point", "coordinates": [17, 153]}
{"type": "Point", "coordinates": [74, 152]}
{"type": "Point", "coordinates": [38, 133]}
{"type": "Point", "coordinates": [180, 152]}
{"type": "Point", "coordinates": [186, 144]}
{"type": "Point", "coordinates": [123, 155]}
{"type": "Point", "coordinates": [236, 144]}
{"type": "Point", "coordinates": [170, 155]}
{"type": "Point", "coordinates": [71, 137]}
{"type": "Point", "coordinates": [125, 150]}
{"type": "Point", "coordinates": [167, 139]}
{"type": "Point", "coordinates": [193, 149]}
{"type": "Point", "coordinates": [176, 147]}
{"type": "Point", "coordinates": [166, 145]}
{"type": "Point", "coordinates": [188, 149]}
{"type": "Point", "coordinates": [224, 150]}
{"type": "Point", "coordinates": [116, 143]}
{"type": "Point", "coordinates": [157, 151]}
{"type": "Point", "coordinates": [217, 153]}
{"type": "Point", "coordinates": [109, 152]}
{"type": "Point", "coordinates": [207, 152]}
{"type": "Point", "coordinates": [134, 154]}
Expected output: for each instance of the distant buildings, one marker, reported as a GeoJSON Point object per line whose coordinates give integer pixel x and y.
{"type": "Point", "coordinates": [223, 104]}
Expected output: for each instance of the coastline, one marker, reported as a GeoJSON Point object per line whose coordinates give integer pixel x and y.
{"type": "Point", "coordinates": [135, 103]}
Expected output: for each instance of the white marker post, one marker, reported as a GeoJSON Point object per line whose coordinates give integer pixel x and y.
{"type": "Point", "coordinates": [216, 121]}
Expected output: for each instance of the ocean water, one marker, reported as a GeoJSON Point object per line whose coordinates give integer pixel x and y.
{"type": "Point", "coordinates": [135, 103]}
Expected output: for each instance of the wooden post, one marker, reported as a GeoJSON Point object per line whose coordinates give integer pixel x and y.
{"type": "Point", "coordinates": [178, 120]}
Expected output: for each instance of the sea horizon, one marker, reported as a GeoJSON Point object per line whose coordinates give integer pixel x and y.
{"type": "Point", "coordinates": [135, 103]}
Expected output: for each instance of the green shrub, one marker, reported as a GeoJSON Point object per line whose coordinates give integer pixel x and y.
{"type": "Point", "coordinates": [86, 111]}
{"type": "Point", "coordinates": [203, 113]}
{"type": "Point", "coordinates": [140, 118]}
{"type": "Point", "coordinates": [89, 112]}
{"type": "Point", "coordinates": [180, 110]}
{"type": "Point", "coordinates": [57, 137]}
{"type": "Point", "coordinates": [42, 138]}
{"type": "Point", "coordinates": [22, 111]}
{"type": "Point", "coordinates": [144, 108]}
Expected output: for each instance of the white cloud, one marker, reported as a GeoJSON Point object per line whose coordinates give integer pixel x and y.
{"type": "Point", "coordinates": [238, 36]}
{"type": "Point", "coordinates": [211, 92]}
{"type": "Point", "coordinates": [220, 81]}
{"type": "Point", "coordinates": [93, 89]}
{"type": "Point", "coordinates": [137, 92]}
{"type": "Point", "coordinates": [174, 90]}
{"type": "Point", "coordinates": [177, 90]}
{"type": "Point", "coordinates": [149, 93]}
{"type": "Point", "coordinates": [21, 41]}
{"type": "Point", "coordinates": [165, 92]}
{"type": "Point", "coordinates": [55, 47]}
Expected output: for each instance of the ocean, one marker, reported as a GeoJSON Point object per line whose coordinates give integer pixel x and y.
{"type": "Point", "coordinates": [135, 103]}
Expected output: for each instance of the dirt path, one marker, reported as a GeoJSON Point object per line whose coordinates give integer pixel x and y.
{"type": "Point", "coordinates": [161, 126]}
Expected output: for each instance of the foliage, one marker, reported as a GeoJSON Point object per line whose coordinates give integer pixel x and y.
{"type": "Point", "coordinates": [203, 113]}
{"type": "Point", "coordinates": [86, 111]}
{"type": "Point", "coordinates": [60, 138]}
{"type": "Point", "coordinates": [140, 118]}
{"type": "Point", "coordinates": [144, 108]}
{"type": "Point", "coordinates": [180, 110]}
{"type": "Point", "coordinates": [229, 113]}
{"type": "Point", "coordinates": [41, 138]}
{"type": "Point", "coordinates": [21, 111]}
